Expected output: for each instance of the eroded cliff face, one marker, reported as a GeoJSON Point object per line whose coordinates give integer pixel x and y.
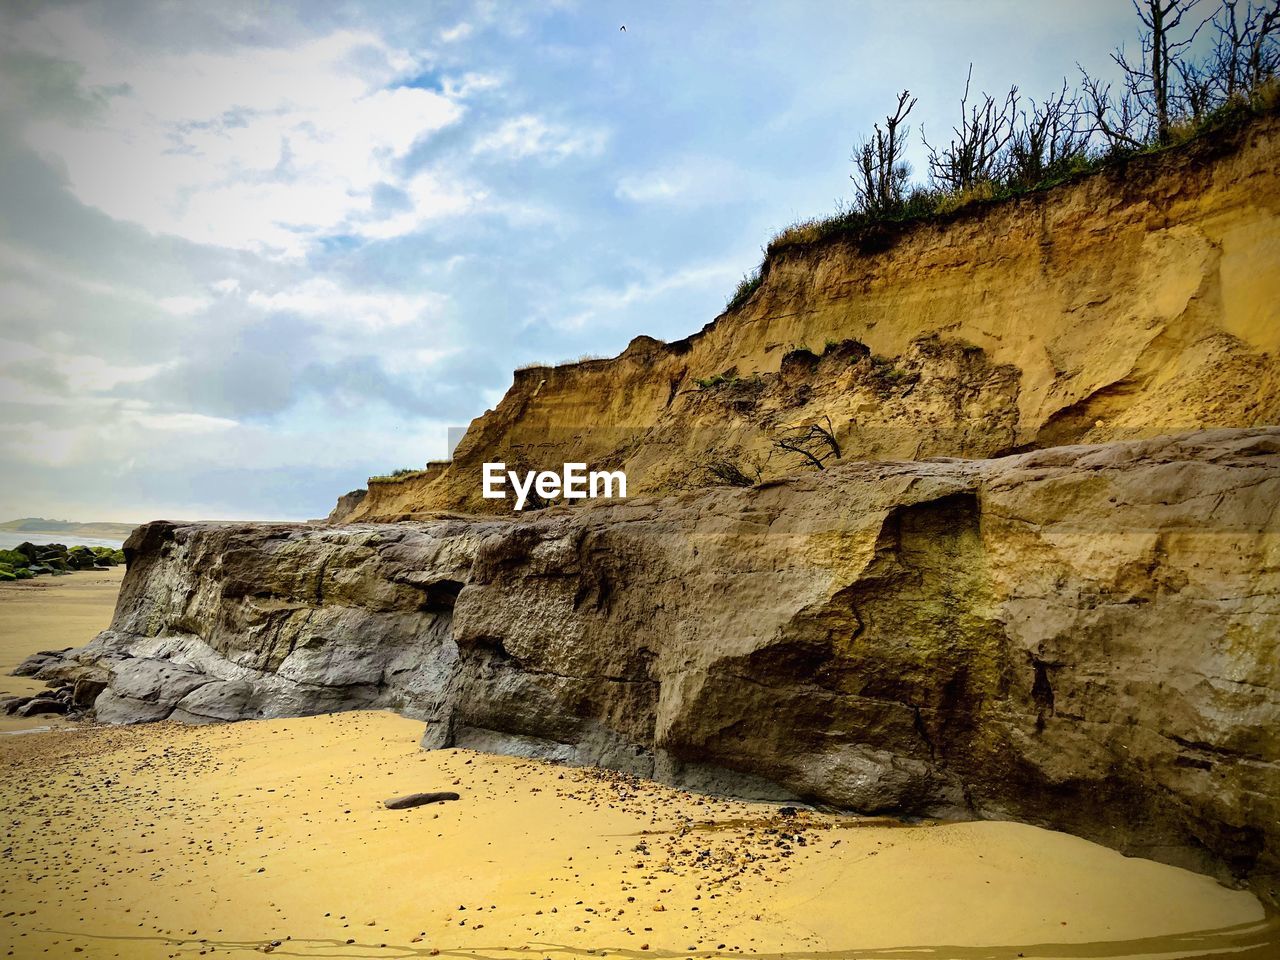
{"type": "Point", "coordinates": [1084, 637]}
{"type": "Point", "coordinates": [1081, 636]}
{"type": "Point", "coordinates": [1135, 302]}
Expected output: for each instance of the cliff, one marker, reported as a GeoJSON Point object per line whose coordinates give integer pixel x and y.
{"type": "Point", "coordinates": [1042, 581]}
{"type": "Point", "coordinates": [1085, 637]}
{"type": "Point", "coordinates": [1136, 301]}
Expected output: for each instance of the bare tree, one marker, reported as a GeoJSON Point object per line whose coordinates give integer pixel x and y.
{"type": "Point", "coordinates": [812, 442]}
{"type": "Point", "coordinates": [976, 150]}
{"type": "Point", "coordinates": [1246, 50]}
{"type": "Point", "coordinates": [1151, 79]}
{"type": "Point", "coordinates": [1195, 93]}
{"type": "Point", "coordinates": [1047, 139]}
{"type": "Point", "coordinates": [1120, 121]}
{"type": "Point", "coordinates": [879, 172]}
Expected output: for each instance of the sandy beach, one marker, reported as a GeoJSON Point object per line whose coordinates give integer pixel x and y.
{"type": "Point", "coordinates": [271, 837]}
{"type": "Point", "coordinates": [50, 613]}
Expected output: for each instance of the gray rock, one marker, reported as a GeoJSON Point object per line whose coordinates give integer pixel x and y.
{"type": "Point", "coordinates": [217, 701]}
{"type": "Point", "coordinates": [153, 681]}
{"type": "Point", "coordinates": [41, 705]}
{"type": "Point", "coordinates": [110, 707]}
{"type": "Point", "coordinates": [33, 664]}
{"type": "Point", "coordinates": [1079, 637]}
{"type": "Point", "coordinates": [86, 691]}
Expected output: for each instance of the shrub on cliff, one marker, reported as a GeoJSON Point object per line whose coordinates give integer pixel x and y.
{"type": "Point", "coordinates": [402, 474]}
{"type": "Point", "coordinates": [1001, 147]}
{"type": "Point", "coordinates": [746, 287]}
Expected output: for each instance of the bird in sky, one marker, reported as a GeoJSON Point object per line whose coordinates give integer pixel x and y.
{"type": "Point", "coordinates": [623, 28]}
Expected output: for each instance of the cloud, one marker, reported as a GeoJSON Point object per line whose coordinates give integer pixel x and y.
{"type": "Point", "coordinates": [265, 149]}
{"type": "Point", "coordinates": [652, 186]}
{"type": "Point", "coordinates": [602, 301]}
{"type": "Point", "coordinates": [455, 33]}
{"type": "Point", "coordinates": [469, 84]}
{"type": "Point", "coordinates": [688, 181]}
{"type": "Point", "coordinates": [32, 373]}
{"type": "Point", "coordinates": [186, 423]}
{"type": "Point", "coordinates": [251, 253]}
{"type": "Point", "coordinates": [93, 374]}
{"type": "Point", "coordinates": [39, 274]}
{"type": "Point", "coordinates": [339, 308]}
{"type": "Point", "coordinates": [530, 136]}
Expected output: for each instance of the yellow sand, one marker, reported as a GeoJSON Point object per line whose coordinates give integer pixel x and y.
{"type": "Point", "coordinates": [166, 841]}
{"type": "Point", "coordinates": [50, 613]}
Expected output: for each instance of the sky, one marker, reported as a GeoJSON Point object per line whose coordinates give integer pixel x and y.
{"type": "Point", "coordinates": [253, 253]}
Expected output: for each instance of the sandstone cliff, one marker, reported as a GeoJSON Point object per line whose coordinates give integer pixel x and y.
{"type": "Point", "coordinates": [1086, 637]}
{"type": "Point", "coordinates": [1137, 301]}
{"type": "Point", "coordinates": [1078, 624]}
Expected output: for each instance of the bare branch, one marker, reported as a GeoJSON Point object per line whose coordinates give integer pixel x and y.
{"type": "Point", "coordinates": [976, 150]}
{"type": "Point", "coordinates": [880, 174]}
{"type": "Point", "coordinates": [812, 442]}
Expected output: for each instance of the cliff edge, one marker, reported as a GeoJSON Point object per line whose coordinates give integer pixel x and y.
{"type": "Point", "coordinates": [1135, 301]}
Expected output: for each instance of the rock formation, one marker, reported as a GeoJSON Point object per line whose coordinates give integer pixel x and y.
{"type": "Point", "coordinates": [1086, 637]}
{"type": "Point", "coordinates": [1077, 625]}
{"type": "Point", "coordinates": [1137, 301]}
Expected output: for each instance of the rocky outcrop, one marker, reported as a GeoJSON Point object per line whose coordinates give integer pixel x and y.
{"type": "Point", "coordinates": [1134, 302]}
{"type": "Point", "coordinates": [1084, 637]}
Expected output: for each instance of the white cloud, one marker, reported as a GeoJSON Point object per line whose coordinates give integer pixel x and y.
{"type": "Point", "coordinates": [690, 181]}
{"type": "Point", "coordinates": [86, 373]}
{"type": "Point", "coordinates": [531, 136]}
{"type": "Point", "coordinates": [183, 306]}
{"type": "Point", "coordinates": [256, 149]}
{"type": "Point", "coordinates": [40, 271]}
{"type": "Point", "coordinates": [469, 84]}
{"type": "Point", "coordinates": [323, 299]}
{"type": "Point", "coordinates": [603, 301]}
{"type": "Point", "coordinates": [653, 186]}
{"type": "Point", "coordinates": [93, 374]}
{"type": "Point", "coordinates": [455, 33]}
{"type": "Point", "coordinates": [186, 423]}
{"type": "Point", "coordinates": [428, 198]}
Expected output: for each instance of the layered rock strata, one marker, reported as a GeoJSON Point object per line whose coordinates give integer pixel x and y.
{"type": "Point", "coordinates": [1086, 637]}
{"type": "Point", "coordinates": [1137, 301]}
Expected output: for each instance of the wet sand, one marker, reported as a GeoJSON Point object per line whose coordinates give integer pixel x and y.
{"type": "Point", "coordinates": [50, 613]}
{"type": "Point", "coordinates": [165, 841]}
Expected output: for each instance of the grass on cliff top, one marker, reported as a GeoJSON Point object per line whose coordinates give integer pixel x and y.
{"type": "Point", "coordinates": [581, 358]}
{"type": "Point", "coordinates": [395, 476]}
{"type": "Point", "coordinates": [929, 204]}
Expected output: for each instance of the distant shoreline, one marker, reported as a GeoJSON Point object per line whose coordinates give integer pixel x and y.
{"type": "Point", "coordinates": [93, 529]}
{"type": "Point", "coordinates": [10, 539]}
